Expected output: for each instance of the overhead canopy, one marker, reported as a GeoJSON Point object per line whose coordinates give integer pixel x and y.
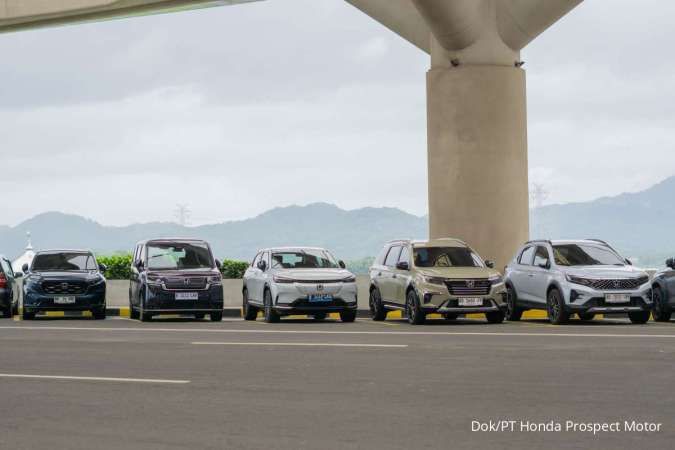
{"type": "Point", "coordinates": [22, 14]}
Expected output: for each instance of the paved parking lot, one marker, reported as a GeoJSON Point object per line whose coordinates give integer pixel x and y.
{"type": "Point", "coordinates": [76, 383]}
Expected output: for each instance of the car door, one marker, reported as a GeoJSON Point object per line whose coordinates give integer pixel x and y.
{"type": "Point", "coordinates": [400, 277]}
{"type": "Point", "coordinates": [669, 281]}
{"type": "Point", "coordinates": [253, 280]}
{"type": "Point", "coordinates": [135, 276]}
{"type": "Point", "coordinates": [524, 274]}
{"type": "Point", "coordinates": [11, 280]}
{"type": "Point", "coordinates": [387, 281]}
{"type": "Point", "coordinates": [377, 270]}
{"type": "Point", "coordinates": [540, 270]}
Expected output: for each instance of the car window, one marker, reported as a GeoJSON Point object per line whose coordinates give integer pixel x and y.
{"type": "Point", "coordinates": [379, 261]}
{"type": "Point", "coordinates": [6, 268]}
{"type": "Point", "coordinates": [586, 255]}
{"type": "Point", "coordinates": [255, 261]}
{"type": "Point", "coordinates": [405, 255]}
{"type": "Point", "coordinates": [142, 255]}
{"type": "Point", "coordinates": [446, 257]}
{"type": "Point", "coordinates": [64, 261]}
{"type": "Point", "coordinates": [392, 256]}
{"type": "Point", "coordinates": [526, 257]}
{"type": "Point", "coordinates": [304, 259]}
{"type": "Point", "coordinates": [179, 256]}
{"type": "Point", "coordinates": [541, 257]}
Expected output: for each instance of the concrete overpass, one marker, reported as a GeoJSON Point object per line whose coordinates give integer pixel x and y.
{"type": "Point", "coordinates": [477, 124]}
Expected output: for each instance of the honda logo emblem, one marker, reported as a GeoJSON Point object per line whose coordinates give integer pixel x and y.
{"type": "Point", "coordinates": [470, 283]}
{"type": "Point", "coordinates": [186, 281]}
{"type": "Point", "coordinates": [319, 287]}
{"type": "Point", "coordinates": [64, 286]}
{"type": "Point", "coordinates": [617, 283]}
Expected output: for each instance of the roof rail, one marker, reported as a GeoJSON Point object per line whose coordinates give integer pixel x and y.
{"type": "Point", "coordinates": [548, 241]}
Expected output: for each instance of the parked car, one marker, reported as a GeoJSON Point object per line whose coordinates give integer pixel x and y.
{"type": "Point", "coordinates": [586, 277]}
{"type": "Point", "coordinates": [64, 280]}
{"type": "Point", "coordinates": [298, 280]}
{"type": "Point", "coordinates": [175, 276]}
{"type": "Point", "coordinates": [441, 276]}
{"type": "Point", "coordinates": [663, 285]}
{"type": "Point", "coordinates": [10, 290]}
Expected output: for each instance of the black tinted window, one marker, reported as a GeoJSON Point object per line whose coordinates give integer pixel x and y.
{"type": "Point", "coordinates": [179, 255]}
{"type": "Point", "coordinates": [446, 257]}
{"type": "Point", "coordinates": [526, 256]}
{"type": "Point", "coordinates": [392, 256]}
{"type": "Point", "coordinates": [67, 261]}
{"type": "Point", "coordinates": [585, 255]}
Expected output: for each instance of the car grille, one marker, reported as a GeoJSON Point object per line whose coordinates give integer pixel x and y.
{"type": "Point", "coordinates": [185, 283]}
{"type": "Point", "coordinates": [608, 285]}
{"type": "Point", "coordinates": [467, 288]}
{"type": "Point", "coordinates": [64, 287]}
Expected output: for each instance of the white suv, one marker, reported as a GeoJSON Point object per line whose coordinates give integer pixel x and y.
{"type": "Point", "coordinates": [298, 280]}
{"type": "Point", "coordinates": [586, 277]}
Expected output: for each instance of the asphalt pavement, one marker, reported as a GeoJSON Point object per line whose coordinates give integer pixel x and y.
{"type": "Point", "coordinates": [119, 384]}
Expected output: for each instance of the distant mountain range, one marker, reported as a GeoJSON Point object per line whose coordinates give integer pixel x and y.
{"type": "Point", "coordinates": [638, 224]}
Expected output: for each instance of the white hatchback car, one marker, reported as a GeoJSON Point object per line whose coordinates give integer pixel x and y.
{"type": "Point", "coordinates": [298, 280]}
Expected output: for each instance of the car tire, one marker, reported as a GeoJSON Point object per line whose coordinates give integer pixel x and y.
{"type": "Point", "coordinates": [200, 316]}
{"type": "Point", "coordinates": [216, 316]}
{"type": "Point", "coordinates": [348, 316]}
{"type": "Point", "coordinates": [28, 315]}
{"type": "Point", "coordinates": [271, 316]}
{"type": "Point", "coordinates": [494, 317]}
{"type": "Point", "coordinates": [450, 316]}
{"type": "Point", "coordinates": [377, 311]}
{"type": "Point", "coordinates": [133, 313]}
{"type": "Point", "coordinates": [250, 312]}
{"type": "Point", "coordinates": [319, 316]}
{"type": "Point", "coordinates": [413, 310]}
{"type": "Point", "coordinates": [99, 314]}
{"type": "Point", "coordinates": [15, 309]}
{"type": "Point", "coordinates": [639, 317]}
{"type": "Point", "coordinates": [7, 312]}
{"type": "Point", "coordinates": [555, 307]}
{"type": "Point", "coordinates": [513, 313]}
{"type": "Point", "coordinates": [660, 311]}
{"type": "Point", "coordinates": [586, 317]}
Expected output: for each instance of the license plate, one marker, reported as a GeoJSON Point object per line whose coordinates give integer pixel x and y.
{"type": "Point", "coordinates": [64, 300]}
{"type": "Point", "coordinates": [470, 302]}
{"type": "Point", "coordinates": [617, 298]}
{"type": "Point", "coordinates": [187, 295]}
{"type": "Point", "coordinates": [320, 298]}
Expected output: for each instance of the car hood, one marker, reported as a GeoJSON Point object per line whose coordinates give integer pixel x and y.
{"type": "Point", "coordinates": [315, 274]}
{"type": "Point", "coordinates": [182, 273]}
{"type": "Point", "coordinates": [63, 276]}
{"type": "Point", "coordinates": [458, 272]}
{"type": "Point", "coordinates": [604, 272]}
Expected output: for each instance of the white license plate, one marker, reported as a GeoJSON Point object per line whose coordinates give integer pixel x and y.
{"type": "Point", "coordinates": [187, 295]}
{"type": "Point", "coordinates": [617, 298]}
{"type": "Point", "coordinates": [470, 302]}
{"type": "Point", "coordinates": [64, 300]}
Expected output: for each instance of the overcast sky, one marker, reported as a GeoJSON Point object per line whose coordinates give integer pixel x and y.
{"type": "Point", "coordinates": [236, 110]}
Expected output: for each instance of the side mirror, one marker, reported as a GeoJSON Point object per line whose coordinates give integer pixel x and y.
{"type": "Point", "coordinates": [24, 268]}
{"type": "Point", "coordinates": [629, 262]}
{"type": "Point", "coordinates": [18, 275]}
{"type": "Point", "coordinates": [262, 265]}
{"type": "Point", "coordinates": [219, 264]}
{"type": "Point", "coordinates": [102, 268]}
{"type": "Point", "coordinates": [670, 262]}
{"type": "Point", "coordinates": [403, 265]}
{"type": "Point", "coordinates": [139, 265]}
{"type": "Point", "coordinates": [546, 265]}
{"type": "Point", "coordinates": [342, 264]}
{"type": "Point", "coordinates": [490, 264]}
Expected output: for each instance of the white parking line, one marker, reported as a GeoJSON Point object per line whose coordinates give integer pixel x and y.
{"type": "Point", "coordinates": [303, 344]}
{"type": "Point", "coordinates": [113, 380]}
{"type": "Point", "coordinates": [329, 332]}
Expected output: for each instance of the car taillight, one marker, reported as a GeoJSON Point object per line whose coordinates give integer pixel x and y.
{"type": "Point", "coordinates": [3, 281]}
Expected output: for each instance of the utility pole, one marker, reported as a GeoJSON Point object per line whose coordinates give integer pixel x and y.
{"type": "Point", "coordinates": [182, 213]}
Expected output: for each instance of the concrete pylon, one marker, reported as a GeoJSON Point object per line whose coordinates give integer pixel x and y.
{"type": "Point", "coordinates": [476, 108]}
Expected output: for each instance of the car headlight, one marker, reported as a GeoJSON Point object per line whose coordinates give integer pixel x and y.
{"type": "Point", "coordinates": [33, 281]}
{"type": "Point", "coordinates": [434, 280]}
{"type": "Point", "coordinates": [349, 279]}
{"type": "Point", "coordinates": [278, 279]}
{"type": "Point", "coordinates": [95, 281]}
{"type": "Point", "coordinates": [578, 280]}
{"type": "Point", "coordinates": [216, 279]}
{"type": "Point", "coordinates": [496, 279]}
{"type": "Point", "coordinates": [156, 282]}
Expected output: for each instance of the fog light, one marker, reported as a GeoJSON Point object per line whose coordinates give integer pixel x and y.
{"type": "Point", "coordinates": [574, 295]}
{"type": "Point", "coordinates": [427, 298]}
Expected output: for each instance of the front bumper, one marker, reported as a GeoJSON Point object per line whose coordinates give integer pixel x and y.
{"type": "Point", "coordinates": [293, 298]}
{"type": "Point", "coordinates": [437, 299]}
{"type": "Point", "coordinates": [160, 300]}
{"type": "Point", "coordinates": [581, 299]}
{"type": "Point", "coordinates": [35, 302]}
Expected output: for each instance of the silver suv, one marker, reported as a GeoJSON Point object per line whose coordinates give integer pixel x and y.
{"type": "Point", "coordinates": [298, 280]}
{"type": "Point", "coordinates": [586, 277]}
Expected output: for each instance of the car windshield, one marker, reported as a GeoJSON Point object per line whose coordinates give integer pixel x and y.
{"type": "Point", "coordinates": [64, 262]}
{"type": "Point", "coordinates": [446, 257]}
{"type": "Point", "coordinates": [173, 255]}
{"type": "Point", "coordinates": [303, 259]}
{"type": "Point", "coordinates": [585, 255]}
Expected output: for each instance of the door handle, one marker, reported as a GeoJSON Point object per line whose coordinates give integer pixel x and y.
{"type": "Point", "coordinates": [530, 275]}
{"type": "Point", "coordinates": [394, 276]}
{"type": "Point", "coordinates": [379, 274]}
